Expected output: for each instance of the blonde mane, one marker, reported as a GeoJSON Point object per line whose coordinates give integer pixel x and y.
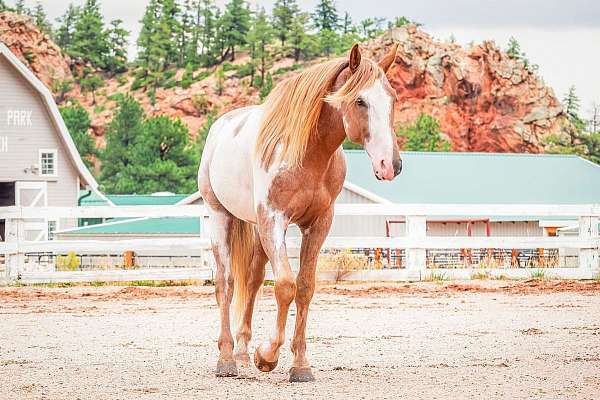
{"type": "Point", "coordinates": [293, 108]}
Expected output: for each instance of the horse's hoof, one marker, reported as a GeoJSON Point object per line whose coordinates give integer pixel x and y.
{"type": "Point", "coordinates": [301, 374]}
{"type": "Point", "coordinates": [262, 364]}
{"type": "Point", "coordinates": [243, 359]}
{"type": "Point", "coordinates": [226, 368]}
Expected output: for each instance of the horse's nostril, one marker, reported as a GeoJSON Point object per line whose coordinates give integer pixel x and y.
{"type": "Point", "coordinates": [397, 167]}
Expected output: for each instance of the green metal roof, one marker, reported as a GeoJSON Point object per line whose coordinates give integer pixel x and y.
{"type": "Point", "coordinates": [142, 226]}
{"type": "Point", "coordinates": [484, 178]}
{"type": "Point", "coordinates": [134, 199]}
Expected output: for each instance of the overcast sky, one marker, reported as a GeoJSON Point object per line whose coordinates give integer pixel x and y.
{"type": "Point", "coordinates": [561, 36]}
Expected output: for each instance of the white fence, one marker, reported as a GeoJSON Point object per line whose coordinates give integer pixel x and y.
{"type": "Point", "coordinates": [416, 243]}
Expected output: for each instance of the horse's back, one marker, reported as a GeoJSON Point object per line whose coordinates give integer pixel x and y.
{"type": "Point", "coordinates": [226, 166]}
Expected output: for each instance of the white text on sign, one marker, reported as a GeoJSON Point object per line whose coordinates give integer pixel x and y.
{"type": "Point", "coordinates": [19, 118]}
{"type": "Point", "coordinates": [3, 144]}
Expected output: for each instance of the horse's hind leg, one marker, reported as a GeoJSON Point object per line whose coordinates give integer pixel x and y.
{"type": "Point", "coordinates": [256, 279]}
{"type": "Point", "coordinates": [220, 223]}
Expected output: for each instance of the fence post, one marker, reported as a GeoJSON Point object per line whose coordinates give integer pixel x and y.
{"type": "Point", "coordinates": [588, 258]}
{"type": "Point", "coordinates": [416, 228]}
{"type": "Point", "coordinates": [14, 258]}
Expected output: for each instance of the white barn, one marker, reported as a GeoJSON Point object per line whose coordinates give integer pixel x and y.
{"type": "Point", "coordinates": [39, 163]}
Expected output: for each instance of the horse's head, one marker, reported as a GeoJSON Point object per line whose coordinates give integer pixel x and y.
{"type": "Point", "coordinates": [366, 101]}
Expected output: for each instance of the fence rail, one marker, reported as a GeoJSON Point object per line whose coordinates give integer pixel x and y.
{"type": "Point", "coordinates": [416, 243]}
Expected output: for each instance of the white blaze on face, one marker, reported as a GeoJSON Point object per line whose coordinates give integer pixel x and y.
{"type": "Point", "coordinates": [379, 144]}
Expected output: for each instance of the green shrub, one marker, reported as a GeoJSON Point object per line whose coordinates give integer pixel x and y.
{"type": "Point", "coordinates": [266, 87]}
{"type": "Point", "coordinates": [122, 80]}
{"type": "Point", "coordinates": [200, 103]}
{"type": "Point", "coordinates": [228, 67]}
{"type": "Point", "coordinates": [201, 76]}
{"type": "Point", "coordinates": [70, 262]}
{"type": "Point", "coordinates": [188, 76]}
{"type": "Point", "coordinates": [244, 70]}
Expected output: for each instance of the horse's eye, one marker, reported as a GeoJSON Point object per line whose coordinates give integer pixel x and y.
{"type": "Point", "coordinates": [361, 103]}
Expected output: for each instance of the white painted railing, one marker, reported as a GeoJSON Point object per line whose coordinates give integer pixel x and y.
{"type": "Point", "coordinates": [416, 242]}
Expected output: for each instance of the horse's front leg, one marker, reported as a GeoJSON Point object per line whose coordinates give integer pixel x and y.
{"type": "Point", "coordinates": [272, 227]}
{"type": "Point", "coordinates": [312, 240]}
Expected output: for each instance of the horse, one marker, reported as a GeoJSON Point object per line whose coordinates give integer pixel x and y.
{"type": "Point", "coordinates": [268, 166]}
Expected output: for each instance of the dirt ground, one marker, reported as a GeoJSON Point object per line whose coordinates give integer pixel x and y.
{"type": "Point", "coordinates": [489, 339]}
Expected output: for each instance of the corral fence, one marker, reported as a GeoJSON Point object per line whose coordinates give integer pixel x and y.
{"type": "Point", "coordinates": [416, 255]}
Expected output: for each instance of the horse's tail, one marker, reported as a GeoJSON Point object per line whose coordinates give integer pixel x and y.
{"type": "Point", "coordinates": [241, 247]}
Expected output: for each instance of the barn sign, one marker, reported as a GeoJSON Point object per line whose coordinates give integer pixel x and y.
{"type": "Point", "coordinates": [14, 118]}
{"type": "Point", "coordinates": [19, 118]}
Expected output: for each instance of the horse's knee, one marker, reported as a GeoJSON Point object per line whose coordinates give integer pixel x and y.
{"type": "Point", "coordinates": [285, 289]}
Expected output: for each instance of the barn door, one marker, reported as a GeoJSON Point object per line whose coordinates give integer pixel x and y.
{"type": "Point", "coordinates": [33, 194]}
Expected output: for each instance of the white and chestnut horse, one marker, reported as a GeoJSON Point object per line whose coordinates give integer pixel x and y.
{"type": "Point", "coordinates": [281, 163]}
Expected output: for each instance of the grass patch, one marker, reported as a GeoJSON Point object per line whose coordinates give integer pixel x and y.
{"type": "Point", "coordinates": [437, 277]}
{"type": "Point", "coordinates": [269, 282]}
{"type": "Point", "coordinates": [538, 274]}
{"type": "Point", "coordinates": [480, 275]}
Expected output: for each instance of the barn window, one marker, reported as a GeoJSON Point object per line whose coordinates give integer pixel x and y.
{"type": "Point", "coordinates": [52, 227]}
{"type": "Point", "coordinates": [48, 162]}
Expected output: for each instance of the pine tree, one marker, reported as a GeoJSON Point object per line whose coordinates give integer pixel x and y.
{"type": "Point", "coordinates": [347, 24]}
{"type": "Point", "coordinates": [168, 30]}
{"type": "Point", "coordinates": [60, 87]}
{"type": "Point", "coordinates": [424, 135]}
{"type": "Point", "coordinates": [187, 52]}
{"type": "Point", "coordinates": [66, 28]}
{"type": "Point", "coordinates": [576, 127]}
{"type": "Point", "coordinates": [284, 12]}
{"type": "Point", "coordinates": [259, 37]}
{"type": "Point", "coordinates": [117, 47]}
{"type": "Point", "coordinates": [235, 24]}
{"type": "Point", "coordinates": [163, 159]}
{"type": "Point", "coordinates": [326, 16]}
{"type": "Point", "coordinates": [298, 37]}
{"type": "Point", "coordinates": [206, 17]}
{"type": "Point", "coordinates": [571, 103]}
{"type": "Point", "coordinates": [89, 38]}
{"type": "Point", "coordinates": [90, 84]}
{"type": "Point", "coordinates": [21, 9]}
{"type": "Point", "coordinates": [121, 135]}
{"type": "Point", "coordinates": [40, 18]}
{"type": "Point", "coordinates": [157, 43]}
{"type": "Point", "coordinates": [78, 123]}
{"type": "Point", "coordinates": [514, 49]}
{"type": "Point", "coordinates": [326, 21]}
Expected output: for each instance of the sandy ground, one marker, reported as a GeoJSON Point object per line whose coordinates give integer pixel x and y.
{"type": "Point", "coordinates": [492, 340]}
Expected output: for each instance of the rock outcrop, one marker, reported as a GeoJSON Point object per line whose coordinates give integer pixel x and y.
{"type": "Point", "coordinates": [484, 100]}
{"type": "Point", "coordinates": [34, 48]}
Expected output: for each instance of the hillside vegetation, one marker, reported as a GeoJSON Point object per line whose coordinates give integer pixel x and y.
{"type": "Point", "coordinates": [196, 61]}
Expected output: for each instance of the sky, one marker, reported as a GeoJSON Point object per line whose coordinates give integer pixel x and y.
{"type": "Point", "coordinates": [561, 36]}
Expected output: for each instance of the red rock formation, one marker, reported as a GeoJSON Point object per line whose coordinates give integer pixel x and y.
{"type": "Point", "coordinates": [484, 100]}
{"type": "Point", "coordinates": [34, 48]}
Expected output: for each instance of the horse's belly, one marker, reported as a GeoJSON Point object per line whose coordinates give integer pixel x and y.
{"type": "Point", "coordinates": [231, 170]}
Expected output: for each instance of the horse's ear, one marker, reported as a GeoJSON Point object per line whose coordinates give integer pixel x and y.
{"type": "Point", "coordinates": [387, 61]}
{"type": "Point", "coordinates": [354, 58]}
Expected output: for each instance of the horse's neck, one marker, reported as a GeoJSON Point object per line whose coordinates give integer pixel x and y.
{"type": "Point", "coordinates": [329, 137]}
